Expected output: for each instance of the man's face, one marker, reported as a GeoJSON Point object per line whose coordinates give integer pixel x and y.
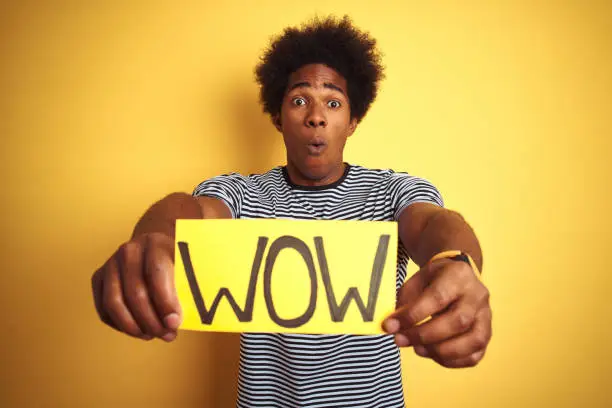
{"type": "Point", "coordinates": [315, 120]}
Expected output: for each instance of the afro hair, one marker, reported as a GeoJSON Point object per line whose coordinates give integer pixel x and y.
{"type": "Point", "coordinates": [337, 44]}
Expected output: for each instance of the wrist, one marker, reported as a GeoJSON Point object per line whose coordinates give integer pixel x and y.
{"type": "Point", "coordinates": [458, 256]}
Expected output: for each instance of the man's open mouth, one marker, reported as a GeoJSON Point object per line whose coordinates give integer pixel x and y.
{"type": "Point", "coordinates": [316, 147]}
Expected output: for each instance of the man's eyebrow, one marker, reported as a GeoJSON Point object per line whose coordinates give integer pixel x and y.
{"type": "Point", "coordinates": [335, 87]}
{"type": "Point", "coordinates": [328, 85]}
{"type": "Point", "coordinates": [300, 85]}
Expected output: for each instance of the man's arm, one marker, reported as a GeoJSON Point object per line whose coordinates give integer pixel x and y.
{"type": "Point", "coordinates": [443, 309]}
{"type": "Point", "coordinates": [161, 216]}
{"type": "Point", "coordinates": [426, 229]}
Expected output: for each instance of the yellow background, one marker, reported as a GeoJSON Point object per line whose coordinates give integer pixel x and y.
{"type": "Point", "coordinates": [222, 254]}
{"type": "Point", "coordinates": [505, 106]}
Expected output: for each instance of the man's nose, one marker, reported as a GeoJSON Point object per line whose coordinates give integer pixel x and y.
{"type": "Point", "coordinates": [316, 118]}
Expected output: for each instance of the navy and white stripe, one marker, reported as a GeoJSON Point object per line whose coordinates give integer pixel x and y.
{"type": "Point", "coordinates": [304, 370]}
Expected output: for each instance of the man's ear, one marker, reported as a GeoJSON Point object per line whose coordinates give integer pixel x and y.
{"type": "Point", "coordinates": [352, 126]}
{"type": "Point", "coordinates": [276, 119]}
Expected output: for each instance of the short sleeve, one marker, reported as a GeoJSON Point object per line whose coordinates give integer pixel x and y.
{"type": "Point", "coordinates": [229, 188]}
{"type": "Point", "coordinates": [406, 189]}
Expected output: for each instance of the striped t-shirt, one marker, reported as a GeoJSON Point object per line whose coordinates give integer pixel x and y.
{"type": "Point", "coordinates": [304, 370]}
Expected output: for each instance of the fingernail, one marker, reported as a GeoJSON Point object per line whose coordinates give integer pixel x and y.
{"type": "Point", "coordinates": [172, 321]}
{"type": "Point", "coordinates": [421, 351]}
{"type": "Point", "coordinates": [391, 325]}
{"type": "Point", "coordinates": [402, 340]}
{"type": "Point", "coordinates": [169, 336]}
{"type": "Point", "coordinates": [146, 337]}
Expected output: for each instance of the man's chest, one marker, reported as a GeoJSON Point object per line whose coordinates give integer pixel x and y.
{"type": "Point", "coordinates": [365, 203]}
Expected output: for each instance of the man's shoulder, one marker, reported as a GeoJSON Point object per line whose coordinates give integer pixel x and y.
{"type": "Point", "coordinates": [238, 178]}
{"type": "Point", "coordinates": [393, 180]}
{"type": "Point", "coordinates": [383, 173]}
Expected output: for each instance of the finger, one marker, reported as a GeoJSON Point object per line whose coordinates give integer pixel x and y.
{"type": "Point", "coordinates": [96, 287]}
{"type": "Point", "coordinates": [454, 321]}
{"type": "Point", "coordinates": [113, 302]}
{"type": "Point", "coordinates": [402, 340]}
{"type": "Point", "coordinates": [464, 345]}
{"type": "Point", "coordinates": [440, 293]}
{"type": "Point", "coordinates": [159, 277]}
{"type": "Point", "coordinates": [135, 290]}
{"type": "Point", "coordinates": [422, 351]}
{"type": "Point", "coordinates": [412, 289]}
{"type": "Point", "coordinates": [408, 295]}
{"type": "Point", "coordinates": [469, 361]}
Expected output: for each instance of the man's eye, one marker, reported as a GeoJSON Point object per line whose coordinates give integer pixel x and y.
{"type": "Point", "coordinates": [299, 101]}
{"type": "Point", "coordinates": [333, 104]}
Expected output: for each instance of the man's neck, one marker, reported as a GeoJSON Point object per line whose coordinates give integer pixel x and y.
{"type": "Point", "coordinates": [300, 179]}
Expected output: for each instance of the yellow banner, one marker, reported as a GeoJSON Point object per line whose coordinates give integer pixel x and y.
{"type": "Point", "coordinates": [291, 276]}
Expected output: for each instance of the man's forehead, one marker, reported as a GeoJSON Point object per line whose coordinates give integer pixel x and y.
{"type": "Point", "coordinates": [316, 76]}
{"type": "Point", "coordinates": [303, 84]}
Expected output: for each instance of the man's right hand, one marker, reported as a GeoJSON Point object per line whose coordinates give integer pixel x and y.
{"type": "Point", "coordinates": [134, 290]}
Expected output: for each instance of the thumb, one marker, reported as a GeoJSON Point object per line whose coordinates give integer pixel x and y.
{"type": "Point", "coordinates": [160, 281]}
{"type": "Point", "coordinates": [411, 289]}
{"type": "Point", "coordinates": [409, 294]}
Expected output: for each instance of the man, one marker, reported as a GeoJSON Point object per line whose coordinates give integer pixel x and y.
{"type": "Point", "coordinates": [317, 84]}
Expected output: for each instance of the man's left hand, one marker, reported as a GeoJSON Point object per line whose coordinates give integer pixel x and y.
{"type": "Point", "coordinates": [457, 303]}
